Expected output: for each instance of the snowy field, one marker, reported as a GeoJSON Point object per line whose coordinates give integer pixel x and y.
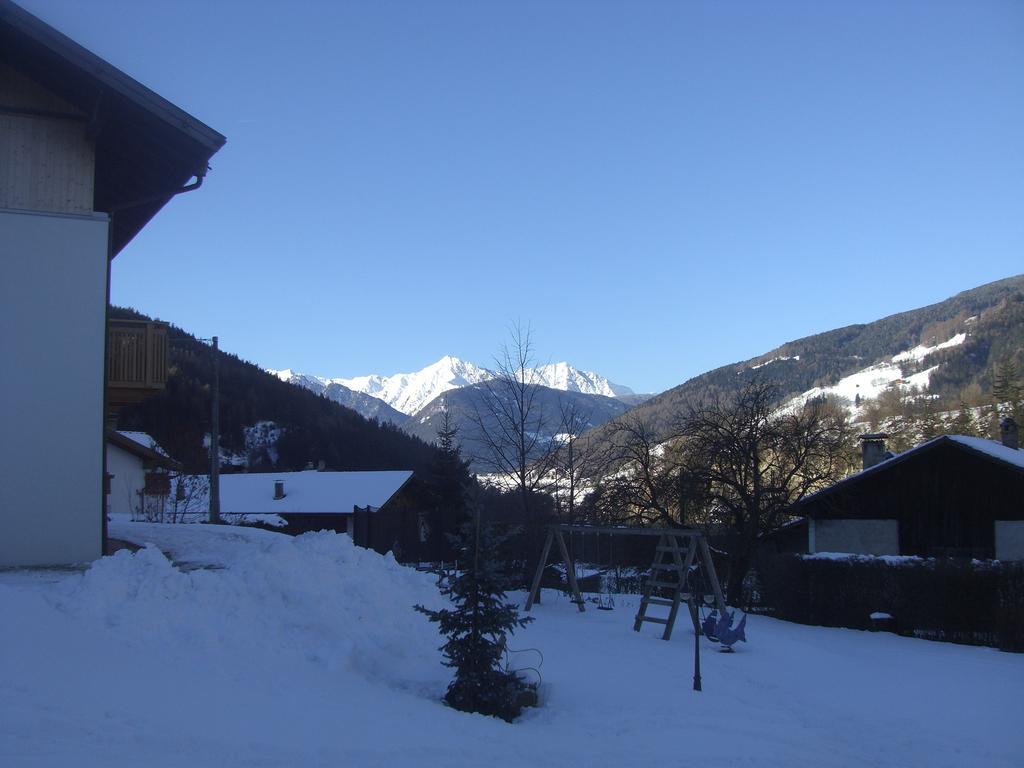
{"type": "Point", "coordinates": [263, 650]}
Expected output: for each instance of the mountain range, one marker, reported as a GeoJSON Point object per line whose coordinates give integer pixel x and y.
{"type": "Point", "coordinates": [400, 398]}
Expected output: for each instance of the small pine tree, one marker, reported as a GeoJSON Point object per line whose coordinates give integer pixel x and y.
{"type": "Point", "coordinates": [448, 481]}
{"type": "Point", "coordinates": [963, 423]}
{"type": "Point", "coordinates": [930, 421]}
{"type": "Point", "coordinates": [476, 628]}
{"type": "Point", "coordinates": [1007, 391]}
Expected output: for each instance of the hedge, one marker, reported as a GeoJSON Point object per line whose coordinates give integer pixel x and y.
{"type": "Point", "coordinates": [961, 601]}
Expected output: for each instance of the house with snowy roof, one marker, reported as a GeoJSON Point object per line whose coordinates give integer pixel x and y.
{"type": "Point", "coordinates": [88, 156]}
{"type": "Point", "coordinates": [139, 475]}
{"type": "Point", "coordinates": [953, 496]}
{"type": "Point", "coordinates": [381, 510]}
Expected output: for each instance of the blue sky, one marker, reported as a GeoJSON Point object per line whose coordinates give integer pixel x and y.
{"type": "Point", "coordinates": [656, 188]}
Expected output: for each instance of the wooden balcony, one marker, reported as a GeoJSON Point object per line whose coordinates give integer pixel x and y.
{"type": "Point", "coordinates": [136, 361]}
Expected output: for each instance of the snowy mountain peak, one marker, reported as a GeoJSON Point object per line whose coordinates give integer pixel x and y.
{"type": "Point", "coordinates": [569, 379]}
{"type": "Point", "coordinates": [410, 392]}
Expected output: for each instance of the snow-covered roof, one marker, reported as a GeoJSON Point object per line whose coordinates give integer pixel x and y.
{"type": "Point", "coordinates": [989, 448]}
{"type": "Point", "coordinates": [144, 447]}
{"type": "Point", "coordinates": [143, 439]}
{"type": "Point", "coordinates": [310, 492]}
{"type": "Point", "coordinates": [992, 448]}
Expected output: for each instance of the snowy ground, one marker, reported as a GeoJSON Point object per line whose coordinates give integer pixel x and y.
{"type": "Point", "coordinates": [306, 652]}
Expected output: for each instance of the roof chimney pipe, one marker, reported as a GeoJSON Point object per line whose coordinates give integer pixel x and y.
{"type": "Point", "coordinates": [278, 490]}
{"type": "Point", "coordinates": [1009, 434]}
{"type": "Point", "coordinates": [872, 447]}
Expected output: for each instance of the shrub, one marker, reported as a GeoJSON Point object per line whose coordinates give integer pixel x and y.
{"type": "Point", "coordinates": [973, 602]}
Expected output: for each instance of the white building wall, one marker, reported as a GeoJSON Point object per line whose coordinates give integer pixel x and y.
{"type": "Point", "coordinates": [127, 483]}
{"type": "Point", "coordinates": [1009, 539]}
{"type": "Point", "coordinates": [53, 272]}
{"type": "Point", "coordinates": [860, 537]}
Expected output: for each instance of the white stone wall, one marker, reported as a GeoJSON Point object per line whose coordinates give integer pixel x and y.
{"type": "Point", "coordinates": [53, 273]}
{"type": "Point", "coordinates": [127, 483]}
{"type": "Point", "coordinates": [1009, 539]}
{"type": "Point", "coordinates": [860, 537]}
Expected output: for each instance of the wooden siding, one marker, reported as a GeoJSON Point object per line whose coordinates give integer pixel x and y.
{"type": "Point", "coordinates": [946, 501]}
{"type": "Point", "coordinates": [47, 163]}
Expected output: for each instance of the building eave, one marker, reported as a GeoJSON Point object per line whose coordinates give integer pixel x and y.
{"type": "Point", "coordinates": [147, 148]}
{"type": "Point", "coordinates": [900, 458]}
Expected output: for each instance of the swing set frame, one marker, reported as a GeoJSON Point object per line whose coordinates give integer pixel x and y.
{"type": "Point", "coordinates": [557, 531]}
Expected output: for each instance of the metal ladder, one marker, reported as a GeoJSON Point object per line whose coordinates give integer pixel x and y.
{"type": "Point", "coordinates": [672, 561]}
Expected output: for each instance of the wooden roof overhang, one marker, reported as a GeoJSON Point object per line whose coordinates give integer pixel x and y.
{"type": "Point", "coordinates": [147, 149]}
{"type": "Point", "coordinates": [151, 459]}
{"type": "Point", "coordinates": [807, 505]}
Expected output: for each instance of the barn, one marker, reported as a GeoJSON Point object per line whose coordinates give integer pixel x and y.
{"type": "Point", "coordinates": [953, 496]}
{"type": "Point", "coordinates": [381, 510]}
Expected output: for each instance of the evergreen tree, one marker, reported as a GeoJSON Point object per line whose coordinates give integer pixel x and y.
{"type": "Point", "coordinates": [1007, 391]}
{"type": "Point", "coordinates": [1005, 384]}
{"type": "Point", "coordinates": [476, 628]}
{"type": "Point", "coordinates": [963, 423]}
{"type": "Point", "coordinates": [930, 421]}
{"type": "Point", "coordinates": [449, 477]}
{"type": "Point", "coordinates": [992, 423]}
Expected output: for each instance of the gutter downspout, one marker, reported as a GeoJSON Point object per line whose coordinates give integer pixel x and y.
{"type": "Point", "coordinates": [154, 198]}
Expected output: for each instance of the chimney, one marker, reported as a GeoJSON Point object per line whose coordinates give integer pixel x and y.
{"type": "Point", "coordinates": [278, 490]}
{"type": "Point", "coordinates": [1009, 434]}
{"type": "Point", "coordinates": [872, 448]}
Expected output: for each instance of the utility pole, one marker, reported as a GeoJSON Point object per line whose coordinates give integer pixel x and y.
{"type": "Point", "coordinates": [215, 438]}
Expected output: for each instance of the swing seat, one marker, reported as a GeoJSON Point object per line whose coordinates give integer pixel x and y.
{"type": "Point", "coordinates": [721, 630]}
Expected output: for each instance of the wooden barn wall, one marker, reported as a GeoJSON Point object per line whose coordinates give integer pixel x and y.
{"type": "Point", "coordinates": [46, 163]}
{"type": "Point", "coordinates": [395, 527]}
{"type": "Point", "coordinates": [946, 501]}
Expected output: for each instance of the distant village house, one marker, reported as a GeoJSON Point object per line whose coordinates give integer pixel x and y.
{"type": "Point", "coordinates": [139, 474]}
{"type": "Point", "coordinates": [380, 510]}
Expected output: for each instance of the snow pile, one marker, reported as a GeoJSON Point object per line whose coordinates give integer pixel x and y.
{"type": "Point", "coordinates": [887, 559]}
{"type": "Point", "coordinates": [263, 604]}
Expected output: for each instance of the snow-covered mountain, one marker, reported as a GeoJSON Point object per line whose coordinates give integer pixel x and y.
{"type": "Point", "coordinates": [569, 379]}
{"type": "Point", "coordinates": [408, 393]}
{"type": "Point", "coordinates": [369, 406]}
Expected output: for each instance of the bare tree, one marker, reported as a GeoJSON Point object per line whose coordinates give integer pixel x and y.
{"type": "Point", "coordinates": [515, 439]}
{"type": "Point", "coordinates": [755, 461]}
{"type": "Point", "coordinates": [515, 435]}
{"type": "Point", "coordinates": [573, 460]}
{"type": "Point", "coordinates": [640, 483]}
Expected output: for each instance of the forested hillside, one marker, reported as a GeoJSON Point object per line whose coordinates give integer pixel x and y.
{"type": "Point", "coordinates": [312, 428]}
{"type": "Point", "coordinates": [991, 317]}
